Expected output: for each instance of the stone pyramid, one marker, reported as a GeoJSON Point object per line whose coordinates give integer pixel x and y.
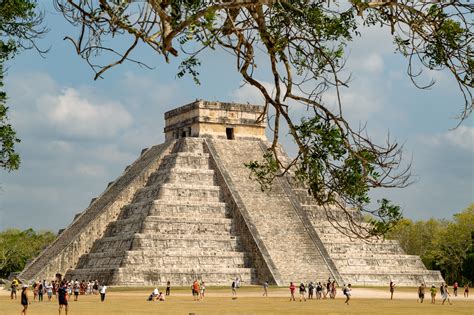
{"type": "Point", "coordinates": [187, 209]}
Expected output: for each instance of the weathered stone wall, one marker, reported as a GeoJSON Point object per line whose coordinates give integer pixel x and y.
{"type": "Point", "coordinates": [272, 215]}
{"type": "Point", "coordinates": [202, 118]}
{"type": "Point", "coordinates": [175, 228]}
{"type": "Point", "coordinates": [78, 238]}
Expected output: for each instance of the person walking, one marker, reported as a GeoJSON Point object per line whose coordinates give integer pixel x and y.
{"type": "Point", "coordinates": [76, 290]}
{"type": "Point", "coordinates": [102, 291]}
{"type": "Point", "coordinates": [63, 297]}
{"type": "Point", "coordinates": [265, 288]}
{"type": "Point", "coordinates": [234, 289]}
{"type": "Point", "coordinates": [347, 292]}
{"type": "Point", "coordinates": [302, 292]}
{"type": "Point", "coordinates": [333, 290]}
{"type": "Point", "coordinates": [392, 289]}
{"type": "Point", "coordinates": [168, 288]}
{"type": "Point", "coordinates": [310, 290]}
{"type": "Point", "coordinates": [203, 289]}
{"type": "Point", "coordinates": [40, 291]}
{"type": "Point", "coordinates": [14, 287]}
{"type": "Point", "coordinates": [292, 291]}
{"type": "Point", "coordinates": [455, 288]}
{"type": "Point", "coordinates": [466, 290]}
{"type": "Point", "coordinates": [24, 299]}
{"type": "Point", "coordinates": [421, 293]}
{"type": "Point", "coordinates": [196, 290]}
{"type": "Point", "coordinates": [445, 293]}
{"type": "Point", "coordinates": [433, 294]}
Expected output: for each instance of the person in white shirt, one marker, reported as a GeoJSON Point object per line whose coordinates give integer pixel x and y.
{"type": "Point", "coordinates": [102, 290]}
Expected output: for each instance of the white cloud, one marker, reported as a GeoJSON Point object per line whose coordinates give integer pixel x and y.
{"type": "Point", "coordinates": [75, 115]}
{"type": "Point", "coordinates": [461, 137]}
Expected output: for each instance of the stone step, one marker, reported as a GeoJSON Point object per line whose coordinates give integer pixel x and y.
{"type": "Point", "coordinates": [186, 192]}
{"type": "Point", "coordinates": [165, 226]}
{"type": "Point", "coordinates": [138, 258]}
{"type": "Point", "coordinates": [189, 145]}
{"type": "Point", "coordinates": [168, 245]}
{"type": "Point", "coordinates": [338, 248]}
{"type": "Point", "coordinates": [186, 276]}
{"type": "Point", "coordinates": [174, 208]}
{"type": "Point", "coordinates": [186, 160]}
{"type": "Point", "coordinates": [182, 175]}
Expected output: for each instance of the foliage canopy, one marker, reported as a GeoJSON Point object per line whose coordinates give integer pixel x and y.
{"type": "Point", "coordinates": [20, 26]}
{"type": "Point", "coordinates": [303, 43]}
{"type": "Point", "coordinates": [17, 247]}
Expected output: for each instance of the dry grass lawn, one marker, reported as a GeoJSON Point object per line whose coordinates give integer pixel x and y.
{"type": "Point", "coordinates": [218, 301]}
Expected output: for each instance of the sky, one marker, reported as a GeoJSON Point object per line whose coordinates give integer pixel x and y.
{"type": "Point", "coordinates": [78, 134]}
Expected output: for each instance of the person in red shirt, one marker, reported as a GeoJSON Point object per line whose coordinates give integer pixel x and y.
{"type": "Point", "coordinates": [292, 291]}
{"type": "Point", "coordinates": [196, 290]}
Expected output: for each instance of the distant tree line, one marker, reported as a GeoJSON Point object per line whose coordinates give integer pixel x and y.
{"type": "Point", "coordinates": [18, 247]}
{"type": "Point", "coordinates": [445, 245]}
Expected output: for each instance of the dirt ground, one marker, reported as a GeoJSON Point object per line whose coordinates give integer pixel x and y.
{"type": "Point", "coordinates": [249, 301]}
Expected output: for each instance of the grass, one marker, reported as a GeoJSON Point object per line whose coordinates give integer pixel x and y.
{"type": "Point", "coordinates": [218, 301]}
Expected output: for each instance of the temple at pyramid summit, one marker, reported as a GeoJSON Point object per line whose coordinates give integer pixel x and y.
{"type": "Point", "coordinates": [187, 209]}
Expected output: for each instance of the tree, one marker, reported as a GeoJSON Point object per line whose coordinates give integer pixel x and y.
{"type": "Point", "coordinates": [441, 244]}
{"type": "Point", "coordinates": [468, 264]}
{"type": "Point", "coordinates": [303, 42]}
{"type": "Point", "coordinates": [17, 247]}
{"type": "Point", "coordinates": [20, 26]}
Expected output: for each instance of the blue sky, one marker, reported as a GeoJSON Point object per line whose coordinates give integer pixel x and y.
{"type": "Point", "coordinates": [79, 134]}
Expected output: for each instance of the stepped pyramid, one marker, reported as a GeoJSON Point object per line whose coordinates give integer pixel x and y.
{"type": "Point", "coordinates": [187, 209]}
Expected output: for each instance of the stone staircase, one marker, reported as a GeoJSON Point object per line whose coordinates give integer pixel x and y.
{"type": "Point", "coordinates": [175, 229]}
{"type": "Point", "coordinates": [372, 262]}
{"type": "Point", "coordinates": [78, 237]}
{"type": "Point", "coordinates": [287, 242]}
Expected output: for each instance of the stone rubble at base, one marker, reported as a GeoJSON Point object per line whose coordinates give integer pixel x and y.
{"type": "Point", "coordinates": [187, 209]}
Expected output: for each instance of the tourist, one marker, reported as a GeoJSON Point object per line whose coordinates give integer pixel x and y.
{"type": "Point", "coordinates": [196, 290]}
{"type": "Point", "coordinates": [14, 287]}
{"type": "Point", "coordinates": [324, 291]}
{"type": "Point", "coordinates": [76, 288]}
{"type": "Point", "coordinates": [63, 297]}
{"type": "Point", "coordinates": [455, 288]}
{"type": "Point", "coordinates": [203, 289]}
{"type": "Point", "coordinates": [234, 289]}
{"type": "Point", "coordinates": [95, 287]}
{"type": "Point", "coordinates": [433, 294]}
{"type": "Point", "coordinates": [265, 288]}
{"type": "Point", "coordinates": [302, 292]}
{"type": "Point", "coordinates": [40, 291]}
{"type": "Point", "coordinates": [154, 295]}
{"type": "Point", "coordinates": [237, 283]}
{"type": "Point", "coordinates": [49, 291]}
{"type": "Point", "coordinates": [328, 288]}
{"type": "Point", "coordinates": [466, 290]}
{"type": "Point", "coordinates": [310, 290]}
{"type": "Point", "coordinates": [392, 289]}
{"type": "Point", "coordinates": [102, 291]}
{"type": "Point", "coordinates": [421, 293]}
{"type": "Point", "coordinates": [168, 288]}
{"type": "Point", "coordinates": [161, 297]}
{"type": "Point", "coordinates": [347, 292]}
{"type": "Point", "coordinates": [443, 289]}
{"type": "Point", "coordinates": [319, 288]}
{"type": "Point", "coordinates": [35, 291]}
{"type": "Point", "coordinates": [333, 289]}
{"type": "Point", "coordinates": [292, 291]}
{"type": "Point", "coordinates": [24, 298]}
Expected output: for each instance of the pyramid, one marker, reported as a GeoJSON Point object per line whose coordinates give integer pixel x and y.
{"type": "Point", "coordinates": [187, 209]}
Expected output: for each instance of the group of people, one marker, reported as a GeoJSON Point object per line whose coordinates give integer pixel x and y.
{"type": "Point", "coordinates": [198, 290]}
{"type": "Point", "coordinates": [321, 291]}
{"type": "Point", "coordinates": [443, 290]}
{"type": "Point", "coordinates": [157, 295]}
{"type": "Point", "coordinates": [58, 289]}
